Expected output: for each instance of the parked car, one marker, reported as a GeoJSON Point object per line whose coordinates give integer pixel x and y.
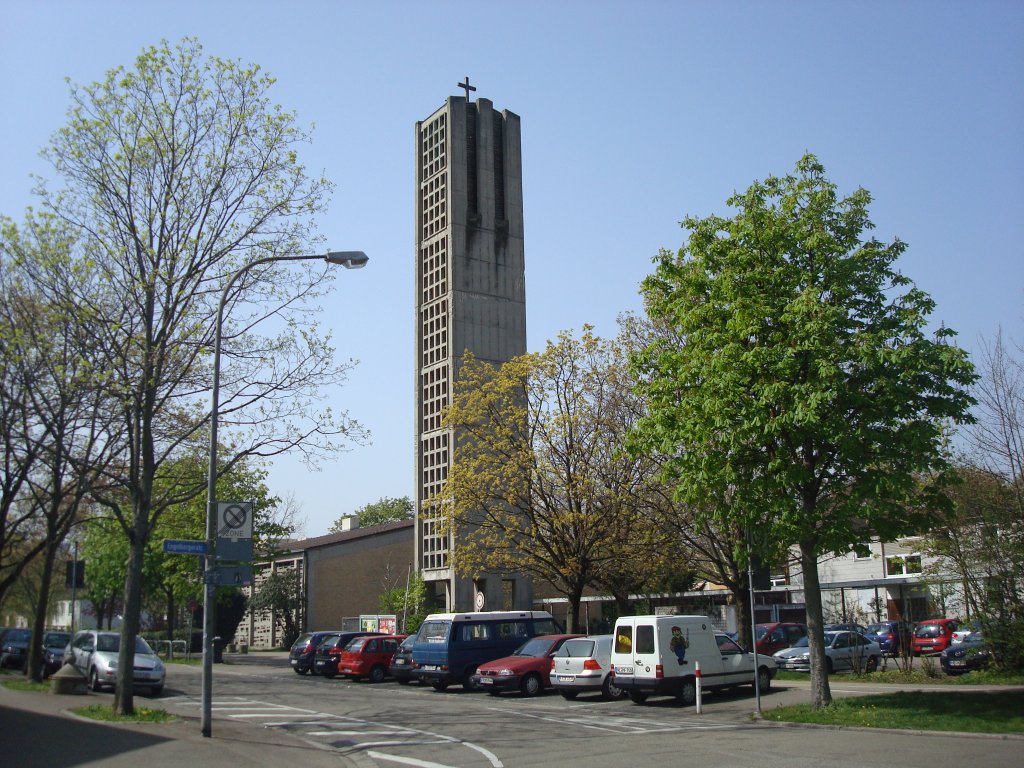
{"type": "Point", "coordinates": [53, 650]}
{"type": "Point", "coordinates": [528, 670]}
{"type": "Point", "coordinates": [94, 654]}
{"type": "Point", "coordinates": [658, 656]}
{"type": "Point", "coordinates": [933, 635]}
{"type": "Point", "coordinates": [582, 665]}
{"type": "Point", "coordinates": [964, 631]}
{"type": "Point", "coordinates": [401, 663]}
{"type": "Point", "coordinates": [854, 627]}
{"type": "Point", "coordinates": [966, 656]}
{"type": "Point", "coordinates": [14, 648]}
{"type": "Point", "coordinates": [844, 651]}
{"type": "Point", "coordinates": [303, 650]}
{"type": "Point", "coordinates": [892, 636]}
{"type": "Point", "coordinates": [368, 657]}
{"type": "Point", "coordinates": [328, 652]}
{"type": "Point", "coordinates": [774, 637]}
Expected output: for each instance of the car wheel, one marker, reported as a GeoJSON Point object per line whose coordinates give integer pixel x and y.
{"type": "Point", "coordinates": [569, 695]}
{"type": "Point", "coordinates": [467, 680]}
{"type": "Point", "coordinates": [440, 686]}
{"type": "Point", "coordinates": [637, 697]}
{"type": "Point", "coordinates": [377, 674]}
{"type": "Point", "coordinates": [156, 690]}
{"type": "Point", "coordinates": [402, 680]}
{"type": "Point", "coordinates": [764, 679]}
{"type": "Point", "coordinates": [299, 671]}
{"type": "Point", "coordinates": [329, 673]}
{"type": "Point", "coordinates": [94, 680]}
{"type": "Point", "coordinates": [687, 695]}
{"type": "Point", "coordinates": [871, 665]}
{"type": "Point", "coordinates": [610, 691]}
{"type": "Point", "coordinates": [531, 685]}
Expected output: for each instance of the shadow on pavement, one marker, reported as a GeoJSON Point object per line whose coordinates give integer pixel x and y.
{"type": "Point", "coordinates": [30, 738]}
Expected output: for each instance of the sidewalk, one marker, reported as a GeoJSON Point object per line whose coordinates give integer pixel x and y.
{"type": "Point", "coordinates": [37, 728]}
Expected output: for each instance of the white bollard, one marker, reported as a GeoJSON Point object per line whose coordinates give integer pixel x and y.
{"type": "Point", "coordinates": [696, 667]}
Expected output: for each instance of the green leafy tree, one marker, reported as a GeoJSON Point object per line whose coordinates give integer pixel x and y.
{"type": "Point", "coordinates": [804, 398]}
{"type": "Point", "coordinates": [177, 173]}
{"type": "Point", "coordinates": [538, 484]}
{"type": "Point", "coordinates": [281, 595]}
{"type": "Point", "coordinates": [384, 510]}
{"type": "Point", "coordinates": [408, 603]}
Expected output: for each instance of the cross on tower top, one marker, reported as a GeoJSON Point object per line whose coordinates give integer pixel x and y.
{"type": "Point", "coordinates": [467, 87]}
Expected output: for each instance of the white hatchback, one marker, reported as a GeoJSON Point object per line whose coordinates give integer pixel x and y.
{"type": "Point", "coordinates": [582, 665]}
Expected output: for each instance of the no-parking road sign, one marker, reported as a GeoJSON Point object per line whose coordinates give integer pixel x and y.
{"type": "Point", "coordinates": [234, 520]}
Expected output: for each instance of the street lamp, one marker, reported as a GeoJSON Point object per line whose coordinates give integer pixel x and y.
{"type": "Point", "coordinates": [349, 260]}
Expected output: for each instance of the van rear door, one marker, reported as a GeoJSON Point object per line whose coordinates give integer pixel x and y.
{"type": "Point", "coordinates": [646, 663]}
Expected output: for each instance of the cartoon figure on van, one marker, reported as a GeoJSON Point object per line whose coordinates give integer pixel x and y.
{"type": "Point", "coordinates": [679, 644]}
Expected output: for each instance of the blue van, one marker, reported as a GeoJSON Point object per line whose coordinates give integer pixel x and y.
{"type": "Point", "coordinates": [450, 646]}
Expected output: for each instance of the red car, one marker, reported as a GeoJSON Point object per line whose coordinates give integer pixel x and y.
{"type": "Point", "coordinates": [527, 670]}
{"type": "Point", "coordinates": [775, 637]}
{"type": "Point", "coordinates": [933, 635]}
{"type": "Point", "coordinates": [369, 657]}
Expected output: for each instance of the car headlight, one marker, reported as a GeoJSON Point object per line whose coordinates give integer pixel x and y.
{"type": "Point", "coordinates": [505, 673]}
{"type": "Point", "coordinates": [111, 665]}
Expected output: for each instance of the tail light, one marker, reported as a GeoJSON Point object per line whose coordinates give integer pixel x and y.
{"type": "Point", "coordinates": [659, 671]}
{"type": "Point", "coordinates": [552, 663]}
{"type": "Point", "coordinates": [309, 648]}
{"type": "Point", "coordinates": [592, 665]}
{"type": "Point", "coordinates": [335, 651]}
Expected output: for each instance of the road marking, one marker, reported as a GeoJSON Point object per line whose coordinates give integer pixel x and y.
{"type": "Point", "coordinates": [621, 725]}
{"type": "Point", "coordinates": [406, 760]}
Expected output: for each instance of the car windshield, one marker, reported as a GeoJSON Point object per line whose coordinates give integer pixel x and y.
{"type": "Point", "coordinates": [18, 636]}
{"type": "Point", "coordinates": [302, 641]}
{"type": "Point", "coordinates": [435, 631]}
{"type": "Point", "coordinates": [408, 643]}
{"type": "Point", "coordinates": [112, 644]}
{"type": "Point", "coordinates": [760, 631]}
{"type": "Point", "coordinates": [537, 647]}
{"type": "Point", "coordinates": [801, 643]}
{"type": "Point", "coordinates": [875, 629]}
{"type": "Point", "coordinates": [830, 638]}
{"type": "Point", "coordinates": [580, 648]}
{"type": "Point", "coordinates": [355, 644]}
{"type": "Point", "coordinates": [928, 630]}
{"type": "Point", "coordinates": [56, 639]}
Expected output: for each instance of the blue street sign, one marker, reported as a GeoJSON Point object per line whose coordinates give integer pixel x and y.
{"type": "Point", "coordinates": [184, 547]}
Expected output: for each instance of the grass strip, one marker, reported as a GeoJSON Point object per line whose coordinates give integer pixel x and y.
{"type": "Point", "coordinates": [969, 712]}
{"type": "Point", "coordinates": [106, 713]}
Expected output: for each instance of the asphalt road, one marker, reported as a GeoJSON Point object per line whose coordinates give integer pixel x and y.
{"type": "Point", "coordinates": [389, 725]}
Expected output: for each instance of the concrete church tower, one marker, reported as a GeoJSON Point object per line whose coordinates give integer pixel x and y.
{"type": "Point", "coordinates": [470, 294]}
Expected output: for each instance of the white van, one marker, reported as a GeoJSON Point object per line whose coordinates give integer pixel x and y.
{"type": "Point", "coordinates": [657, 655]}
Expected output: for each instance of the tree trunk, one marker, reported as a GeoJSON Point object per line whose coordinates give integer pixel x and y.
{"type": "Point", "coordinates": [124, 703]}
{"type": "Point", "coordinates": [572, 619]}
{"type": "Point", "coordinates": [34, 660]}
{"type": "Point", "coordinates": [821, 695]}
{"type": "Point", "coordinates": [744, 630]}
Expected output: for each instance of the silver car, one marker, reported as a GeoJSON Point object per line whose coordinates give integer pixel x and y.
{"type": "Point", "coordinates": [843, 651]}
{"type": "Point", "coordinates": [94, 654]}
{"type": "Point", "coordinates": [582, 664]}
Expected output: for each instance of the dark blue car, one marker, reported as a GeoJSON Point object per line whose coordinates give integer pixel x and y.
{"type": "Point", "coordinates": [891, 636]}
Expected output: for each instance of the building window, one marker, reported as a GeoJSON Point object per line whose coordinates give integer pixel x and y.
{"type": "Point", "coordinates": [902, 565]}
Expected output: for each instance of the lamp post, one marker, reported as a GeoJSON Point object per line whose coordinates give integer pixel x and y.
{"type": "Point", "coordinates": [349, 260]}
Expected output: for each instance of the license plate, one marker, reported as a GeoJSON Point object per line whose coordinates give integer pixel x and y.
{"type": "Point", "coordinates": [399, 662]}
{"type": "Point", "coordinates": [956, 662]}
{"type": "Point", "coordinates": [486, 681]}
{"type": "Point", "coordinates": [295, 662]}
{"type": "Point", "coordinates": [566, 678]}
{"type": "Point", "coordinates": [623, 670]}
{"type": "Point", "coordinates": [429, 667]}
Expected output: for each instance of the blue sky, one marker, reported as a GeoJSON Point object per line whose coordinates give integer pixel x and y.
{"type": "Point", "coordinates": [634, 114]}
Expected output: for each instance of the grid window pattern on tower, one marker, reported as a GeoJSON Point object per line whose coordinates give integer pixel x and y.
{"type": "Point", "coordinates": [433, 187]}
{"type": "Point", "coordinates": [434, 328]}
{"type": "Point", "coordinates": [434, 384]}
{"type": "Point", "coordinates": [434, 458]}
{"type": "Point", "coordinates": [434, 269]}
